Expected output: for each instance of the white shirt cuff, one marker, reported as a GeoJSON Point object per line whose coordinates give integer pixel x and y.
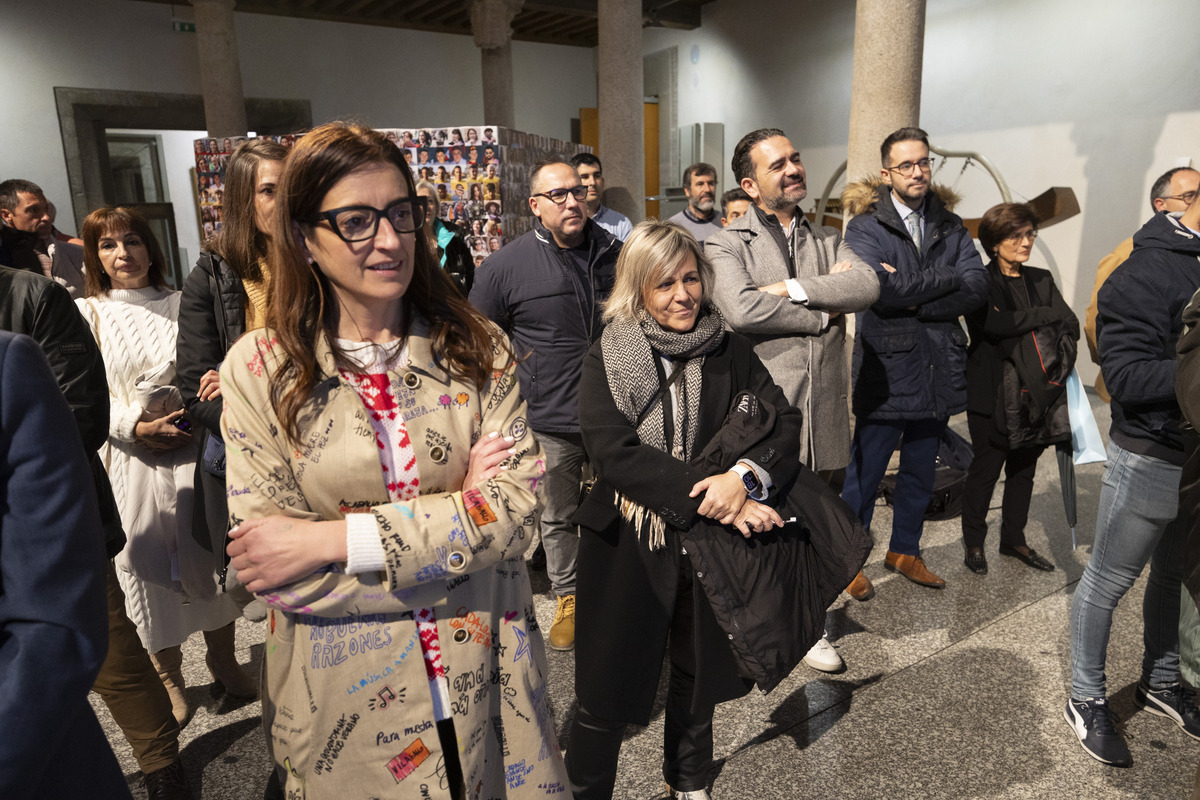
{"type": "Point", "coordinates": [364, 547]}
{"type": "Point", "coordinates": [824, 320]}
{"type": "Point", "coordinates": [796, 291]}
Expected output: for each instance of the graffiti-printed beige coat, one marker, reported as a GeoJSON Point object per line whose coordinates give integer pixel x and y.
{"type": "Point", "coordinates": [347, 705]}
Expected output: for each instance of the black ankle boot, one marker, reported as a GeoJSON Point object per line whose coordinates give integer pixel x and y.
{"type": "Point", "coordinates": [168, 783]}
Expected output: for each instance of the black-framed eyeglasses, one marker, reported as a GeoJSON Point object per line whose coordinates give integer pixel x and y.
{"type": "Point", "coordinates": [1187, 198]}
{"type": "Point", "coordinates": [359, 223]}
{"type": "Point", "coordinates": [924, 164]}
{"type": "Point", "coordinates": [559, 196]}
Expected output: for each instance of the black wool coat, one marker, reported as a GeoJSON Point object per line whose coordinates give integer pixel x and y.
{"type": "Point", "coordinates": [1000, 331]}
{"type": "Point", "coordinates": [997, 320]}
{"type": "Point", "coordinates": [626, 593]}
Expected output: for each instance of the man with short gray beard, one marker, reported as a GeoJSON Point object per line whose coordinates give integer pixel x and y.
{"type": "Point", "coordinates": [700, 218]}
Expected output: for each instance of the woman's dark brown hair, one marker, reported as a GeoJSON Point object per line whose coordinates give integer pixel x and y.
{"type": "Point", "coordinates": [303, 306]}
{"type": "Point", "coordinates": [240, 243]}
{"type": "Point", "coordinates": [1002, 221]}
{"type": "Point", "coordinates": [108, 221]}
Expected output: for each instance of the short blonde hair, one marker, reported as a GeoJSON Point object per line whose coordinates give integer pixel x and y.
{"type": "Point", "coordinates": [652, 252]}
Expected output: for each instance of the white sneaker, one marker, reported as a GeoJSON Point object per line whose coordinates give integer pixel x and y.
{"type": "Point", "coordinates": [822, 656]}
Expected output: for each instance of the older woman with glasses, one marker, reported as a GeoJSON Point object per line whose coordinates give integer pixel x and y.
{"type": "Point", "coordinates": [1015, 406]}
{"type": "Point", "coordinates": [386, 487]}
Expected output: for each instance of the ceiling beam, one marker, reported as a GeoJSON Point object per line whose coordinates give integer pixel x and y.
{"type": "Point", "coordinates": [671, 14]}
{"type": "Point", "coordinates": [568, 22]}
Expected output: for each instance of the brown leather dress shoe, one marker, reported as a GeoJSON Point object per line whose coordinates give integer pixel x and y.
{"type": "Point", "coordinates": [860, 588]}
{"type": "Point", "coordinates": [913, 568]}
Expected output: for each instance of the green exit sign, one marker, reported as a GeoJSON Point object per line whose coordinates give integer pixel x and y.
{"type": "Point", "coordinates": [183, 27]}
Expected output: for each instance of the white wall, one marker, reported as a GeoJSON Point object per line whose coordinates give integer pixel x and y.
{"type": "Point", "coordinates": [1097, 95]}
{"type": "Point", "coordinates": [382, 76]}
{"type": "Point", "coordinates": [105, 44]}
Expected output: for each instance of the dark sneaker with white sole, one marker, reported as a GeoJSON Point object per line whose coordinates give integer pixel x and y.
{"type": "Point", "coordinates": [1093, 723]}
{"type": "Point", "coordinates": [1175, 703]}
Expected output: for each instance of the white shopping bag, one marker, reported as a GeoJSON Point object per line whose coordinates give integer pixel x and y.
{"type": "Point", "coordinates": [1085, 434]}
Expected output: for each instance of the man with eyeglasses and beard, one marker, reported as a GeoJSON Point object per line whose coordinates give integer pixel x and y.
{"type": "Point", "coordinates": [545, 290]}
{"type": "Point", "coordinates": [700, 218]}
{"type": "Point", "coordinates": [910, 350]}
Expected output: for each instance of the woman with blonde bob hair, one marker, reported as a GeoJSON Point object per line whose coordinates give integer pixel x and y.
{"type": "Point", "coordinates": [385, 489]}
{"type": "Point", "coordinates": [661, 249]}
{"type": "Point", "coordinates": [655, 390]}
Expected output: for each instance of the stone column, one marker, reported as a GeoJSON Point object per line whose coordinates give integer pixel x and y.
{"type": "Point", "coordinates": [621, 95]}
{"type": "Point", "coordinates": [491, 22]}
{"type": "Point", "coordinates": [885, 93]}
{"type": "Point", "coordinates": [220, 68]}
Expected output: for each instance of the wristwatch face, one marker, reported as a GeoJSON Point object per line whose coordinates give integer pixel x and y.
{"type": "Point", "coordinates": [750, 481]}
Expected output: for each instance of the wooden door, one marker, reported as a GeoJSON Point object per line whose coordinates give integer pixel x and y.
{"type": "Point", "coordinates": [589, 134]}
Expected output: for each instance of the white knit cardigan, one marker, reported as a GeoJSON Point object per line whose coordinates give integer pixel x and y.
{"type": "Point", "coordinates": [136, 330]}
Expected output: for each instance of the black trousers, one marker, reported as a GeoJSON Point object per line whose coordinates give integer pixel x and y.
{"type": "Point", "coordinates": [1019, 467]}
{"type": "Point", "coordinates": [595, 743]}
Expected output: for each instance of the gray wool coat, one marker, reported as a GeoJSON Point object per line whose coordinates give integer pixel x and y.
{"type": "Point", "coordinates": [806, 359]}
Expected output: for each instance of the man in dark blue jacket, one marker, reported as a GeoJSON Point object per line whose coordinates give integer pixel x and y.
{"type": "Point", "coordinates": [910, 350]}
{"type": "Point", "coordinates": [1139, 519]}
{"type": "Point", "coordinates": [545, 289]}
{"type": "Point", "coordinates": [53, 633]}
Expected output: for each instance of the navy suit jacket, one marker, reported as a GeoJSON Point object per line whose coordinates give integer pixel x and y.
{"type": "Point", "coordinates": [53, 618]}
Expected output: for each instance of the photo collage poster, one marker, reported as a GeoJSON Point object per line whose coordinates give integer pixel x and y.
{"type": "Point", "coordinates": [464, 164]}
{"type": "Point", "coordinates": [480, 174]}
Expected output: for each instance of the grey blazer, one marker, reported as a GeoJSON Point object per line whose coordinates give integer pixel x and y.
{"type": "Point", "coordinates": [806, 358]}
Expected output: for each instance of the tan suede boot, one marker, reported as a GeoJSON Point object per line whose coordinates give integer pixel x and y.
{"type": "Point", "coordinates": [223, 664]}
{"type": "Point", "coordinates": [562, 631]}
{"type": "Point", "coordinates": [169, 664]}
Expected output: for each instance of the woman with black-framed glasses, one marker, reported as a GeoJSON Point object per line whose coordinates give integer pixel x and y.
{"type": "Point", "coordinates": [385, 487]}
{"type": "Point", "coordinates": [1023, 345]}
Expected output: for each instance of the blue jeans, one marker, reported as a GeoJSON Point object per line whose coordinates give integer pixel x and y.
{"type": "Point", "coordinates": [1137, 521]}
{"type": "Point", "coordinates": [565, 458]}
{"type": "Point", "coordinates": [870, 451]}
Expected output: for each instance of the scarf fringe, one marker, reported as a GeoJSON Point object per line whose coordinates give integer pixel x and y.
{"type": "Point", "coordinates": [651, 528]}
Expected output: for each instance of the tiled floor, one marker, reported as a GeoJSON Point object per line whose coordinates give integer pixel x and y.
{"type": "Point", "coordinates": [956, 693]}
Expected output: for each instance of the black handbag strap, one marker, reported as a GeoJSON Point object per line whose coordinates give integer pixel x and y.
{"type": "Point", "coordinates": [662, 390]}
